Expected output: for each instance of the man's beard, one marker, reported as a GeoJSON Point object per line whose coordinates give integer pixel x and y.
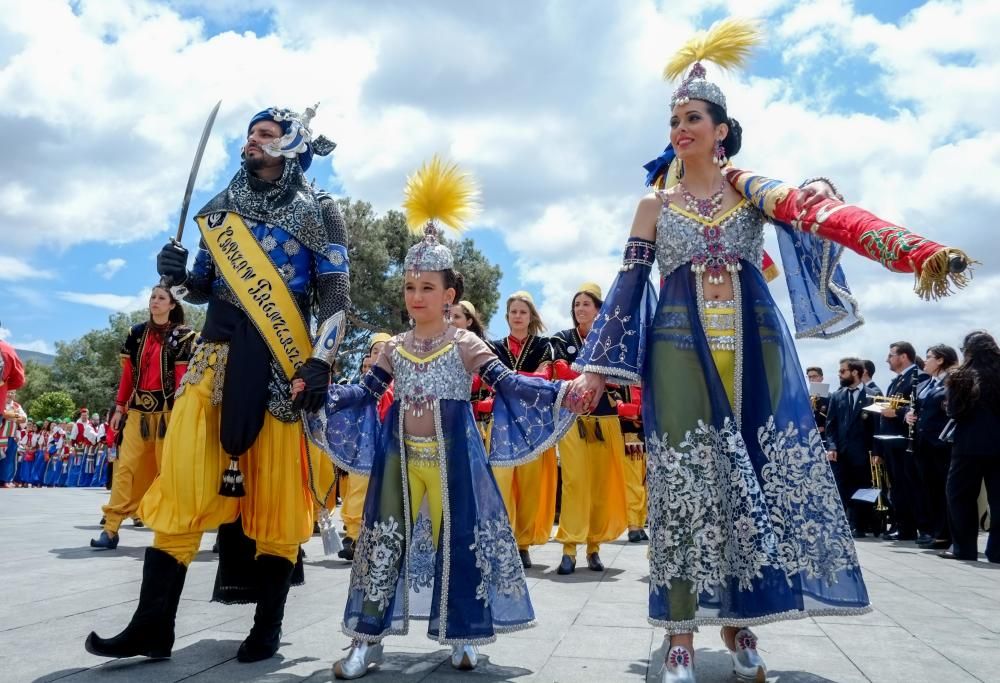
{"type": "Point", "coordinates": [260, 161]}
{"type": "Point", "coordinates": [846, 382]}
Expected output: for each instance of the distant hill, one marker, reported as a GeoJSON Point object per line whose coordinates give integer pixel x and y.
{"type": "Point", "coordinates": [37, 356]}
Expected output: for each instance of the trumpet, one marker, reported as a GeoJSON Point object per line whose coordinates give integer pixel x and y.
{"type": "Point", "coordinates": [880, 480]}
{"type": "Point", "coordinates": [893, 402]}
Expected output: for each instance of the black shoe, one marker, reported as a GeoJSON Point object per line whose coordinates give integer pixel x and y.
{"type": "Point", "coordinates": [948, 555]}
{"type": "Point", "coordinates": [594, 563]}
{"type": "Point", "coordinates": [936, 544]}
{"type": "Point", "coordinates": [315, 528]}
{"type": "Point", "coordinates": [525, 558]}
{"type": "Point", "coordinates": [567, 566]}
{"type": "Point", "coordinates": [137, 523]}
{"type": "Point", "coordinates": [105, 541]}
{"type": "Point", "coordinates": [925, 539]}
{"type": "Point", "coordinates": [642, 535]}
{"type": "Point", "coordinates": [104, 520]}
{"type": "Point", "coordinates": [215, 547]}
{"type": "Point", "coordinates": [150, 633]}
{"type": "Point", "coordinates": [347, 552]}
{"type": "Point", "coordinates": [857, 534]}
{"type": "Point", "coordinates": [634, 536]}
{"type": "Point", "coordinates": [275, 579]}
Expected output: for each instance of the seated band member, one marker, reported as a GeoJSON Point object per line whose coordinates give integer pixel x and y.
{"type": "Point", "coordinates": [234, 421]}
{"type": "Point", "coordinates": [154, 358]}
{"type": "Point", "coordinates": [591, 454]}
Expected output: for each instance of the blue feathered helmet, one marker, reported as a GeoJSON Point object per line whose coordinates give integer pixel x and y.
{"type": "Point", "coordinates": [297, 139]}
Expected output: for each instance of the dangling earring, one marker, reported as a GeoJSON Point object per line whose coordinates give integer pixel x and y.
{"type": "Point", "coordinates": [680, 169]}
{"type": "Point", "coordinates": [447, 314]}
{"type": "Point", "coordinates": [719, 158]}
{"type": "Point", "coordinates": [412, 323]}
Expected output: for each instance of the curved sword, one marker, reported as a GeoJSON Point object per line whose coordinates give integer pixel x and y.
{"type": "Point", "coordinates": [192, 176]}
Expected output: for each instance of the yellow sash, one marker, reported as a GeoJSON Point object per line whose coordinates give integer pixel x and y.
{"type": "Point", "coordinates": [259, 288]}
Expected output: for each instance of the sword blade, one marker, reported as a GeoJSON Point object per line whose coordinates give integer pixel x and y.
{"type": "Point", "coordinates": [193, 175]}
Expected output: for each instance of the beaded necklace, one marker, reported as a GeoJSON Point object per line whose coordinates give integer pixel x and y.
{"type": "Point", "coordinates": [425, 346]}
{"type": "Point", "coordinates": [706, 208]}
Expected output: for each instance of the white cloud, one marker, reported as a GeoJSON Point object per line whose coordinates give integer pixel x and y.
{"type": "Point", "coordinates": [39, 345]}
{"type": "Point", "coordinates": [16, 269]}
{"type": "Point", "coordinates": [109, 268]}
{"type": "Point", "coordinates": [112, 302]}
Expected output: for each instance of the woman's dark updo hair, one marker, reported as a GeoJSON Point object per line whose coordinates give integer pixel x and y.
{"type": "Point", "coordinates": [176, 316]}
{"type": "Point", "coordinates": [734, 138]}
{"type": "Point", "coordinates": [454, 280]}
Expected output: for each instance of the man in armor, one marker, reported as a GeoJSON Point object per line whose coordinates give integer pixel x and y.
{"type": "Point", "coordinates": [273, 256]}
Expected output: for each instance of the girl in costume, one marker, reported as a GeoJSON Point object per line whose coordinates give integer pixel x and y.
{"type": "Point", "coordinates": [528, 490]}
{"type": "Point", "coordinates": [746, 526]}
{"type": "Point", "coordinates": [591, 454]}
{"type": "Point", "coordinates": [436, 542]}
{"type": "Point", "coordinates": [155, 356]}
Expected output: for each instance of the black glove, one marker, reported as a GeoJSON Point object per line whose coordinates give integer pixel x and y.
{"type": "Point", "coordinates": [316, 374]}
{"type": "Point", "coordinates": [171, 263]}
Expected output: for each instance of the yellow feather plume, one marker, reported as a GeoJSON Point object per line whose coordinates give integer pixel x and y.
{"type": "Point", "coordinates": [727, 43]}
{"type": "Point", "coordinates": [440, 191]}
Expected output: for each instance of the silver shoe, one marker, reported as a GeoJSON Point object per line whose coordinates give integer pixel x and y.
{"type": "Point", "coordinates": [464, 657]}
{"type": "Point", "coordinates": [361, 656]}
{"type": "Point", "coordinates": [678, 667]}
{"type": "Point", "coordinates": [748, 665]}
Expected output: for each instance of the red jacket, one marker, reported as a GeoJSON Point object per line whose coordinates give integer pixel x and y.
{"type": "Point", "coordinates": [11, 371]}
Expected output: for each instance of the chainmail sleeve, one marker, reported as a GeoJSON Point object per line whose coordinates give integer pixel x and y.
{"type": "Point", "coordinates": [200, 277]}
{"type": "Point", "coordinates": [332, 291]}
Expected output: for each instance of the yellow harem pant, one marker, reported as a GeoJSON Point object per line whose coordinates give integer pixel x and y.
{"type": "Point", "coordinates": [136, 467]}
{"type": "Point", "coordinates": [423, 478]}
{"type": "Point", "coordinates": [352, 505]}
{"type": "Point", "coordinates": [635, 484]}
{"type": "Point", "coordinates": [184, 501]}
{"type": "Point", "coordinates": [593, 484]}
{"type": "Point", "coordinates": [529, 494]}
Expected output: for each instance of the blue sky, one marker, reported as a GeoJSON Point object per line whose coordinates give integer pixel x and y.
{"type": "Point", "coordinates": [553, 106]}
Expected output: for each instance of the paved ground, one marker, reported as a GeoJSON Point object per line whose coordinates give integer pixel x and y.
{"type": "Point", "coordinates": [935, 620]}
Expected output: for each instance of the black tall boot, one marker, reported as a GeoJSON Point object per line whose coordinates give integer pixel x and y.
{"type": "Point", "coordinates": [275, 578]}
{"type": "Point", "coordinates": [151, 631]}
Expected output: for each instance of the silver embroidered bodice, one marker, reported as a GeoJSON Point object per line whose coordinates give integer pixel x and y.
{"type": "Point", "coordinates": [681, 238]}
{"type": "Point", "coordinates": [420, 384]}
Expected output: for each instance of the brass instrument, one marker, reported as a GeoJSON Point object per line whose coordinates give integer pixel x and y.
{"type": "Point", "coordinates": [894, 402]}
{"type": "Point", "coordinates": [880, 480]}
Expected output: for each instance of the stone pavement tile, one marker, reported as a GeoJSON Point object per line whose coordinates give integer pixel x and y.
{"type": "Point", "coordinates": [596, 613]}
{"type": "Point", "coordinates": [599, 642]}
{"type": "Point", "coordinates": [891, 654]}
{"type": "Point", "coordinates": [874, 618]}
{"type": "Point", "coordinates": [577, 670]}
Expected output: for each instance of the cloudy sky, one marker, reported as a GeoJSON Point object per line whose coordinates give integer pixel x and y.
{"type": "Point", "coordinates": [554, 106]}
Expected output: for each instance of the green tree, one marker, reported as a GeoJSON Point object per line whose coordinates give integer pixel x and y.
{"type": "Point", "coordinates": [377, 248]}
{"type": "Point", "coordinates": [57, 404]}
{"type": "Point", "coordinates": [37, 381]}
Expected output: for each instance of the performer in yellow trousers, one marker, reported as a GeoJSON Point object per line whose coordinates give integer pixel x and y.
{"type": "Point", "coordinates": [592, 454]}
{"type": "Point", "coordinates": [630, 416]}
{"type": "Point", "coordinates": [353, 495]}
{"type": "Point", "coordinates": [154, 358]}
{"type": "Point", "coordinates": [529, 490]}
{"type": "Point", "coordinates": [273, 251]}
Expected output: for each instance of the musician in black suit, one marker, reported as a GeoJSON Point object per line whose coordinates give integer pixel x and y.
{"type": "Point", "coordinates": [908, 511]}
{"type": "Point", "coordinates": [928, 417]}
{"type": "Point", "coordinates": [820, 404]}
{"type": "Point", "coordinates": [866, 379]}
{"type": "Point", "coordinates": [849, 432]}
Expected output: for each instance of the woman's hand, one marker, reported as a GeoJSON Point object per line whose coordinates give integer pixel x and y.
{"type": "Point", "coordinates": [298, 386]}
{"type": "Point", "coordinates": [911, 418]}
{"type": "Point", "coordinates": [813, 193]}
{"type": "Point", "coordinates": [585, 392]}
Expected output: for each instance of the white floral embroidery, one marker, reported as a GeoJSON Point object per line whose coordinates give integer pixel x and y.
{"type": "Point", "coordinates": [498, 561]}
{"type": "Point", "coordinates": [712, 520]}
{"type": "Point", "coordinates": [376, 561]}
{"type": "Point", "coordinates": [422, 554]}
{"type": "Point", "coordinates": [805, 509]}
{"type": "Point", "coordinates": [269, 244]}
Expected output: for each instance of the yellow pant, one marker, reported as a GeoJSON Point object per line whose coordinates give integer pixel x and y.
{"type": "Point", "coordinates": [135, 469]}
{"type": "Point", "coordinates": [593, 484]}
{"type": "Point", "coordinates": [184, 501]}
{"type": "Point", "coordinates": [529, 494]}
{"type": "Point", "coordinates": [635, 490]}
{"type": "Point", "coordinates": [352, 506]}
{"type": "Point", "coordinates": [424, 478]}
